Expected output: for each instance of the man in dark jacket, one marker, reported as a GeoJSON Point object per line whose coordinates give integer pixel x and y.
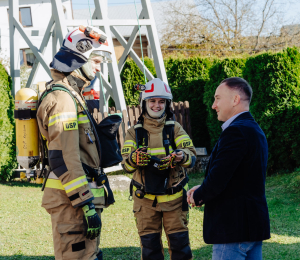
{"type": "Point", "coordinates": [236, 218]}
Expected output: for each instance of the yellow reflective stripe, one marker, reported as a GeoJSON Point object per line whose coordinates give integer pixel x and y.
{"type": "Point", "coordinates": [78, 182]}
{"type": "Point", "coordinates": [129, 167]}
{"type": "Point", "coordinates": [130, 143]}
{"type": "Point", "coordinates": [83, 119]}
{"type": "Point", "coordinates": [179, 139]}
{"type": "Point", "coordinates": [98, 192]}
{"type": "Point", "coordinates": [66, 116]}
{"type": "Point", "coordinates": [164, 198]}
{"type": "Point", "coordinates": [158, 151]}
{"type": "Point", "coordinates": [54, 184]}
{"type": "Point", "coordinates": [188, 162]}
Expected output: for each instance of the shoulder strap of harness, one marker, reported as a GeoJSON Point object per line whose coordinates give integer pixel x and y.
{"type": "Point", "coordinates": [141, 135]}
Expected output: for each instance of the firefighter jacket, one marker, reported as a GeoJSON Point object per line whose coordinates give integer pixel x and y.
{"type": "Point", "coordinates": [71, 142]}
{"type": "Point", "coordinates": [155, 147]}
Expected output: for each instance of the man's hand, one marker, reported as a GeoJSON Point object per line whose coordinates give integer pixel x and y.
{"type": "Point", "coordinates": [190, 194]}
{"type": "Point", "coordinates": [179, 156]}
{"type": "Point", "coordinates": [92, 220]}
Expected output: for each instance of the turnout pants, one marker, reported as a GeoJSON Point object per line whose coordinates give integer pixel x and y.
{"type": "Point", "coordinates": [149, 223]}
{"type": "Point", "coordinates": [69, 239]}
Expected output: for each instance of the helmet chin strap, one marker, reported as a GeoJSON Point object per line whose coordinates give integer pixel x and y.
{"type": "Point", "coordinates": [153, 114]}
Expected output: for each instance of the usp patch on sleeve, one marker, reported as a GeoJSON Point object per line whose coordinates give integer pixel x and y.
{"type": "Point", "coordinates": [187, 143]}
{"type": "Point", "coordinates": [70, 125]}
{"type": "Point", "coordinates": [126, 150]}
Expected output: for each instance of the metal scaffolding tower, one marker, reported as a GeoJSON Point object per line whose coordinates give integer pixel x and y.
{"type": "Point", "coordinates": [57, 29]}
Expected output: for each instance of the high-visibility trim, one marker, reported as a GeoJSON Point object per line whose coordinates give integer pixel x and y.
{"type": "Point", "coordinates": [78, 182]}
{"type": "Point", "coordinates": [170, 123]}
{"type": "Point", "coordinates": [126, 150]}
{"type": "Point", "coordinates": [54, 184]}
{"type": "Point", "coordinates": [181, 138]}
{"type": "Point", "coordinates": [98, 192]}
{"type": "Point", "coordinates": [137, 126]}
{"type": "Point", "coordinates": [83, 119]}
{"type": "Point", "coordinates": [188, 162]}
{"type": "Point", "coordinates": [159, 151]}
{"type": "Point", "coordinates": [164, 198]}
{"type": "Point", "coordinates": [129, 167]}
{"type": "Point", "coordinates": [60, 117]}
{"type": "Point", "coordinates": [130, 143]}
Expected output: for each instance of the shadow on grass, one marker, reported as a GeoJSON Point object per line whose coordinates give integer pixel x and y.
{"type": "Point", "coordinates": [22, 257]}
{"type": "Point", "coordinates": [270, 251]}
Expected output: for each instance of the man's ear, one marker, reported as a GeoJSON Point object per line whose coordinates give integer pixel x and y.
{"type": "Point", "coordinates": [236, 100]}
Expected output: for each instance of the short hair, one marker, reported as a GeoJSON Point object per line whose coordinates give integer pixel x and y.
{"type": "Point", "coordinates": [241, 86]}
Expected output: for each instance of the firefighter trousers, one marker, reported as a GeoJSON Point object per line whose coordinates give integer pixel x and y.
{"type": "Point", "coordinates": [68, 235]}
{"type": "Point", "coordinates": [149, 223]}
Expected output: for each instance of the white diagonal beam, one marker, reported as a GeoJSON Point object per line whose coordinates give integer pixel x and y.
{"type": "Point", "coordinates": [130, 42]}
{"type": "Point", "coordinates": [132, 54]}
{"type": "Point", "coordinates": [111, 22]}
{"type": "Point", "coordinates": [34, 49]}
{"type": "Point", "coordinates": [60, 23]}
{"type": "Point", "coordinates": [42, 49]}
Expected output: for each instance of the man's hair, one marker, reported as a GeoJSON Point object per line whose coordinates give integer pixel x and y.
{"type": "Point", "coordinates": [241, 85]}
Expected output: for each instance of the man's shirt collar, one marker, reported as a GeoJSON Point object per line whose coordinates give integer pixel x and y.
{"type": "Point", "coordinates": [229, 121]}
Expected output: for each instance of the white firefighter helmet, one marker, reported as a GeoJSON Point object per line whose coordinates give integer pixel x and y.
{"type": "Point", "coordinates": [156, 88]}
{"type": "Point", "coordinates": [78, 46]}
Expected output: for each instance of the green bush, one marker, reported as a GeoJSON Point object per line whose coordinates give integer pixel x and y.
{"type": "Point", "coordinates": [7, 128]}
{"type": "Point", "coordinates": [275, 79]}
{"type": "Point", "coordinates": [187, 78]}
{"type": "Point", "coordinates": [131, 75]}
{"type": "Point", "coordinates": [221, 70]}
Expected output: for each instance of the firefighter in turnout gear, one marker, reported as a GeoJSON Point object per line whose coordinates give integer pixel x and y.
{"type": "Point", "coordinates": [157, 150]}
{"type": "Point", "coordinates": [72, 195]}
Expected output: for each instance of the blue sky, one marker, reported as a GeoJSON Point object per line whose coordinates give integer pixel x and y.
{"type": "Point", "coordinates": [292, 7]}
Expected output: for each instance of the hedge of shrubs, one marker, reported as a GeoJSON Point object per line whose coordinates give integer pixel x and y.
{"type": "Point", "coordinates": [275, 79]}
{"type": "Point", "coordinates": [7, 128]}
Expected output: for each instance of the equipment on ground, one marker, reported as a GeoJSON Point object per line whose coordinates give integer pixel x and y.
{"type": "Point", "coordinates": [27, 129]}
{"type": "Point", "coordinates": [92, 221]}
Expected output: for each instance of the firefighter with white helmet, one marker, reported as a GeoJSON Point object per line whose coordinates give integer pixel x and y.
{"type": "Point", "coordinates": [73, 195]}
{"type": "Point", "coordinates": [157, 150]}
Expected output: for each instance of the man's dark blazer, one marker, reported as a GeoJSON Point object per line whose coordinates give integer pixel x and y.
{"type": "Point", "coordinates": [233, 190]}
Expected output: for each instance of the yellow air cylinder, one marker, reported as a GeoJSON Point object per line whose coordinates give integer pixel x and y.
{"type": "Point", "coordinates": [26, 128]}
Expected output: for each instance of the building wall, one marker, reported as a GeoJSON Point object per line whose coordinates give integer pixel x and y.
{"type": "Point", "coordinates": [40, 13]}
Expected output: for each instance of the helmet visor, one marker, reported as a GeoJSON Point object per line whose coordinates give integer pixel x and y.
{"type": "Point", "coordinates": [106, 56]}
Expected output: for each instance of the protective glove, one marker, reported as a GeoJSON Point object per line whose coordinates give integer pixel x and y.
{"type": "Point", "coordinates": [92, 221]}
{"type": "Point", "coordinates": [168, 162]}
{"type": "Point", "coordinates": [139, 157]}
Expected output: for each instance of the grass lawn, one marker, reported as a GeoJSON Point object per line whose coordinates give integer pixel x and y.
{"type": "Point", "coordinates": [25, 231]}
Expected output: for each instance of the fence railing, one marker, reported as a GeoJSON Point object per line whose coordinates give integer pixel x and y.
{"type": "Point", "coordinates": [130, 118]}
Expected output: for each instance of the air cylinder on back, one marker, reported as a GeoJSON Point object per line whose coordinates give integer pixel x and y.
{"type": "Point", "coordinates": [26, 129]}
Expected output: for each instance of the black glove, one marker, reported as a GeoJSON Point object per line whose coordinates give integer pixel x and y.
{"type": "Point", "coordinates": [92, 221]}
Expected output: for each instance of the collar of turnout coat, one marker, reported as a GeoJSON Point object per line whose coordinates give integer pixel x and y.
{"type": "Point", "coordinates": [59, 76]}
{"type": "Point", "coordinates": [153, 125]}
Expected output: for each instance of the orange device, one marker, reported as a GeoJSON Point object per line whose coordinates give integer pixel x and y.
{"type": "Point", "coordinates": [88, 31]}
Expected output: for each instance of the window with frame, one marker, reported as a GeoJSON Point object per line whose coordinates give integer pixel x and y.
{"type": "Point", "coordinates": [27, 57]}
{"type": "Point", "coordinates": [25, 17]}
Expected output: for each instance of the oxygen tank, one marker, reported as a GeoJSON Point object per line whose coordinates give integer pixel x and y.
{"type": "Point", "coordinates": [27, 129]}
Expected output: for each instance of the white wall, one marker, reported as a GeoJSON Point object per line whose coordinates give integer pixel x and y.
{"type": "Point", "coordinates": [40, 12]}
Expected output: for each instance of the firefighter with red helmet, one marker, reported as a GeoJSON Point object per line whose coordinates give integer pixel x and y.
{"type": "Point", "coordinates": [73, 196]}
{"type": "Point", "coordinates": [157, 150]}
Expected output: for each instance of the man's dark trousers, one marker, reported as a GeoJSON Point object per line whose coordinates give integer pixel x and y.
{"type": "Point", "coordinates": [233, 190]}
